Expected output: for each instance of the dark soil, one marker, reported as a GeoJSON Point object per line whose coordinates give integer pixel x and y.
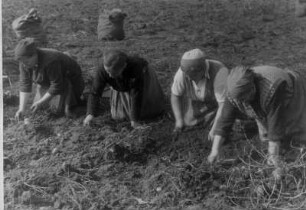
{"type": "Point", "coordinates": [55, 163]}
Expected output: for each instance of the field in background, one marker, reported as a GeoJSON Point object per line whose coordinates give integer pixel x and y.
{"type": "Point", "coordinates": [55, 163]}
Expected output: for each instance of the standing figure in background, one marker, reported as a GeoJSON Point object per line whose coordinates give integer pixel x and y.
{"type": "Point", "coordinates": [58, 77]}
{"type": "Point", "coordinates": [274, 97]}
{"type": "Point", "coordinates": [198, 91]}
{"type": "Point", "coordinates": [135, 91]}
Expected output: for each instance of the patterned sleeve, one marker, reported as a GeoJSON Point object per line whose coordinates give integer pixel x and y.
{"type": "Point", "coordinates": [178, 86]}
{"type": "Point", "coordinates": [220, 85]}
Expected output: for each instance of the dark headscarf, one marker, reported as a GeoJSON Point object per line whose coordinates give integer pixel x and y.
{"type": "Point", "coordinates": [240, 83]}
{"type": "Point", "coordinates": [114, 59]}
{"type": "Point", "coordinates": [25, 47]}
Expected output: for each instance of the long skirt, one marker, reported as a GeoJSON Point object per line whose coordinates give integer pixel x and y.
{"type": "Point", "coordinates": [69, 98]}
{"type": "Point", "coordinates": [153, 100]}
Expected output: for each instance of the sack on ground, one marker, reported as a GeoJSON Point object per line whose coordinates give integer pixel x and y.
{"type": "Point", "coordinates": [300, 8]}
{"type": "Point", "coordinates": [110, 26]}
{"type": "Point", "coordinates": [30, 25]}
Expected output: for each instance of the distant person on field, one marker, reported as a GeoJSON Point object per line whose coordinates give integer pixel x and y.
{"type": "Point", "coordinates": [198, 91]}
{"type": "Point", "coordinates": [58, 78]}
{"type": "Point", "coordinates": [136, 94]}
{"type": "Point", "coordinates": [274, 97]}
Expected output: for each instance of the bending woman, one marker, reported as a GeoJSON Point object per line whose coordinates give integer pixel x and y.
{"type": "Point", "coordinates": [135, 91]}
{"type": "Point", "coordinates": [198, 91]}
{"type": "Point", "coordinates": [57, 76]}
{"type": "Point", "coordinates": [274, 97]}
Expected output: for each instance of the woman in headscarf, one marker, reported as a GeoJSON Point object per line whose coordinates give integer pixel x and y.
{"type": "Point", "coordinates": [58, 78]}
{"type": "Point", "coordinates": [274, 97]}
{"type": "Point", "coordinates": [136, 94]}
{"type": "Point", "coordinates": [198, 91]}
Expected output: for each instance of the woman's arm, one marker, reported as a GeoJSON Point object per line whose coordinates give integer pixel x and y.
{"type": "Point", "coordinates": [226, 119]}
{"type": "Point", "coordinates": [25, 89]}
{"type": "Point", "coordinates": [97, 88]}
{"type": "Point", "coordinates": [216, 147]}
{"type": "Point", "coordinates": [222, 129]}
{"type": "Point", "coordinates": [137, 71]}
{"type": "Point", "coordinates": [23, 100]}
{"type": "Point", "coordinates": [216, 120]}
{"type": "Point", "coordinates": [177, 111]}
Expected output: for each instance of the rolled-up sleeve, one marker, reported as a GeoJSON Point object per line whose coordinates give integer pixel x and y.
{"type": "Point", "coordinates": [99, 83]}
{"type": "Point", "coordinates": [56, 77]}
{"type": "Point", "coordinates": [25, 82]}
{"type": "Point", "coordinates": [178, 86]}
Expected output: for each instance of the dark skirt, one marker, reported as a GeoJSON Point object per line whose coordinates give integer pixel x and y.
{"type": "Point", "coordinates": [153, 101]}
{"type": "Point", "coordinates": [69, 98]}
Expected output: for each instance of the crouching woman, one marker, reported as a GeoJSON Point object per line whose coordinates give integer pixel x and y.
{"type": "Point", "coordinates": [274, 97]}
{"type": "Point", "coordinates": [198, 91]}
{"type": "Point", "coordinates": [136, 94]}
{"type": "Point", "coordinates": [57, 76]}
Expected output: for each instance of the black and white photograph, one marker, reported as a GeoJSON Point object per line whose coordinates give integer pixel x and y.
{"type": "Point", "coordinates": [153, 105]}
